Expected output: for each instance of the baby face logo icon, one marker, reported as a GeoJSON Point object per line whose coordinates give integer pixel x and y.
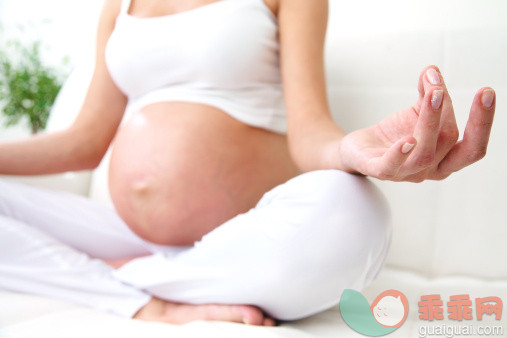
{"type": "Point", "coordinates": [387, 312]}
{"type": "Point", "coordinates": [390, 308]}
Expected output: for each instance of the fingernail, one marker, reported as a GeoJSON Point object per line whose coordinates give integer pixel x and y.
{"type": "Point", "coordinates": [407, 147]}
{"type": "Point", "coordinates": [433, 76]}
{"type": "Point", "coordinates": [487, 98]}
{"type": "Point", "coordinates": [436, 99]}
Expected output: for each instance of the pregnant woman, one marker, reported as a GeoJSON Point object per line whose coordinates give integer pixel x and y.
{"type": "Point", "coordinates": [236, 196]}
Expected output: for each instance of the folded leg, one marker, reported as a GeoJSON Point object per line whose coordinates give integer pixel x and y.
{"type": "Point", "coordinates": [292, 255]}
{"type": "Point", "coordinates": [76, 221]}
{"type": "Point", "coordinates": [48, 242]}
{"type": "Point", "coordinates": [32, 262]}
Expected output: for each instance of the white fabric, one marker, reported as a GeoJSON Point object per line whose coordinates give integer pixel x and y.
{"type": "Point", "coordinates": [27, 316]}
{"type": "Point", "coordinates": [291, 255]}
{"type": "Point", "coordinates": [227, 58]}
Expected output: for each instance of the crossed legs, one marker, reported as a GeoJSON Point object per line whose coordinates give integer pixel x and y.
{"type": "Point", "coordinates": [291, 256]}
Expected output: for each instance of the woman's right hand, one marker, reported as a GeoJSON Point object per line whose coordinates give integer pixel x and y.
{"type": "Point", "coordinates": [420, 142]}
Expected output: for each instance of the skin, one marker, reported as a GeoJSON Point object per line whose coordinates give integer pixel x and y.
{"type": "Point", "coordinates": [437, 153]}
{"type": "Point", "coordinates": [181, 186]}
{"type": "Point", "coordinates": [313, 142]}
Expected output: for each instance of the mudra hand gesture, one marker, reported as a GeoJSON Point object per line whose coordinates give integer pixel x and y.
{"type": "Point", "coordinates": [421, 141]}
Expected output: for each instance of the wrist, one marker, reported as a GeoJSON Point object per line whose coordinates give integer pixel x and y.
{"type": "Point", "coordinates": [316, 148]}
{"type": "Point", "coordinates": [335, 158]}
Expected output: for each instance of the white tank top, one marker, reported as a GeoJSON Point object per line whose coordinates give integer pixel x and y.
{"type": "Point", "coordinates": [224, 54]}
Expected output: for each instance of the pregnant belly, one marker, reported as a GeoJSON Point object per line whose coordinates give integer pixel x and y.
{"type": "Point", "coordinates": [178, 170]}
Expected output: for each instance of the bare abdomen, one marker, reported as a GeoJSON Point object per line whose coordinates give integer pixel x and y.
{"type": "Point", "coordinates": [178, 170]}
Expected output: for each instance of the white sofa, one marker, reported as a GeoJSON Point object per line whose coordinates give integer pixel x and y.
{"type": "Point", "coordinates": [449, 237]}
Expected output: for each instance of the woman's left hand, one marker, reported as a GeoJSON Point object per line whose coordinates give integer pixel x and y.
{"type": "Point", "coordinates": [421, 141]}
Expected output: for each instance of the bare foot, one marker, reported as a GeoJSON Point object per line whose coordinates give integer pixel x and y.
{"type": "Point", "coordinates": [178, 313]}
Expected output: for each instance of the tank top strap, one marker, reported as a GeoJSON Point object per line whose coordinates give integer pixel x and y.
{"type": "Point", "coordinates": [125, 6]}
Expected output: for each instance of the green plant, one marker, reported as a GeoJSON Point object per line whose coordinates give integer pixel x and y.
{"type": "Point", "coordinates": [28, 87]}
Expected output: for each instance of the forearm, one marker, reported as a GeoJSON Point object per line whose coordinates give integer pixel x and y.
{"type": "Point", "coordinates": [314, 143]}
{"type": "Point", "coordinates": [57, 152]}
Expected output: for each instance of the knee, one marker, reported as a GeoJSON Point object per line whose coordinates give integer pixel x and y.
{"type": "Point", "coordinates": [336, 187]}
{"type": "Point", "coordinates": [341, 242]}
{"type": "Point", "coordinates": [313, 279]}
{"type": "Point", "coordinates": [337, 203]}
{"type": "Point", "coordinates": [354, 219]}
{"type": "Point", "coordinates": [300, 286]}
{"type": "Point", "coordinates": [355, 202]}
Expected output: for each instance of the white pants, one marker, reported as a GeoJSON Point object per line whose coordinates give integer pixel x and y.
{"type": "Point", "coordinates": [292, 255]}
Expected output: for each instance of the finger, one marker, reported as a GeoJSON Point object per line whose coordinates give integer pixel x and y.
{"type": "Point", "coordinates": [424, 80]}
{"type": "Point", "coordinates": [476, 137]}
{"type": "Point", "coordinates": [426, 131]}
{"type": "Point", "coordinates": [430, 77]}
{"type": "Point", "coordinates": [388, 165]}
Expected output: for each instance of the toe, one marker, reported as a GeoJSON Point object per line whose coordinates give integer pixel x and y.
{"type": "Point", "coordinates": [251, 315]}
{"type": "Point", "coordinates": [268, 322]}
